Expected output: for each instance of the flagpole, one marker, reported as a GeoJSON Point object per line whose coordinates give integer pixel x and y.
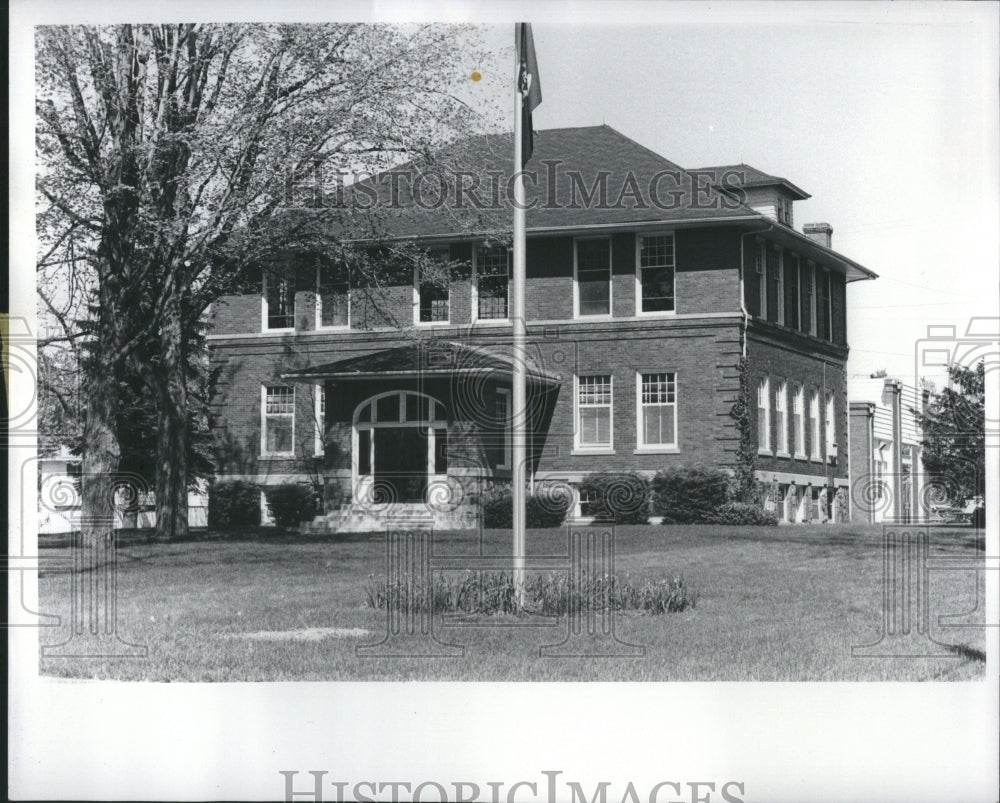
{"type": "Point", "coordinates": [518, 406]}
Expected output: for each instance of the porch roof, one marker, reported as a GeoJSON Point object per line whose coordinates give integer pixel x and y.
{"type": "Point", "coordinates": [442, 358]}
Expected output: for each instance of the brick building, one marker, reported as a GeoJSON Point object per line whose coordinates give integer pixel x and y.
{"type": "Point", "coordinates": [646, 285]}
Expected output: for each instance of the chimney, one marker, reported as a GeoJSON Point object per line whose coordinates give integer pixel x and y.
{"type": "Point", "coordinates": [821, 233]}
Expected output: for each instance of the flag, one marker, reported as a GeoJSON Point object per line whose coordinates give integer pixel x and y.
{"type": "Point", "coordinates": [528, 85]}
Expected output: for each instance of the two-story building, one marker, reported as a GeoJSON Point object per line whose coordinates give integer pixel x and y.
{"type": "Point", "coordinates": [646, 286]}
{"type": "Point", "coordinates": [887, 471]}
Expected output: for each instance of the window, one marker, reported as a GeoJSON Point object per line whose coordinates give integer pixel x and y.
{"type": "Point", "coordinates": [278, 420]}
{"type": "Point", "coordinates": [823, 304]}
{"type": "Point", "coordinates": [779, 280]}
{"type": "Point", "coordinates": [279, 302]}
{"type": "Point", "coordinates": [806, 292]}
{"type": "Point", "coordinates": [792, 291]}
{"type": "Point", "coordinates": [814, 425]}
{"type": "Point", "coordinates": [502, 418]}
{"type": "Point", "coordinates": [593, 276]}
{"type": "Point", "coordinates": [320, 403]}
{"type": "Point", "coordinates": [831, 437]}
{"type": "Point", "coordinates": [764, 415]}
{"type": "Point", "coordinates": [781, 417]}
{"type": "Point", "coordinates": [772, 283]}
{"type": "Point", "coordinates": [656, 273]}
{"type": "Point", "coordinates": [657, 414]}
{"type": "Point", "coordinates": [593, 412]}
{"type": "Point", "coordinates": [492, 282]}
{"type": "Point", "coordinates": [798, 422]}
{"type": "Point", "coordinates": [761, 271]}
{"type": "Point", "coordinates": [433, 297]}
{"type": "Point", "coordinates": [332, 295]}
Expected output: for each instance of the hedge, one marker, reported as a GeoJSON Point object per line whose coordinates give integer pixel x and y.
{"type": "Point", "coordinates": [233, 503]}
{"type": "Point", "coordinates": [292, 503]}
{"type": "Point", "coordinates": [619, 497]}
{"type": "Point", "coordinates": [689, 495]}
{"type": "Point", "coordinates": [545, 508]}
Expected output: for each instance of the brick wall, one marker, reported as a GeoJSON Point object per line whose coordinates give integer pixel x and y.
{"type": "Point", "coordinates": [707, 280]}
{"type": "Point", "coordinates": [703, 354]}
{"type": "Point", "coordinates": [792, 358]}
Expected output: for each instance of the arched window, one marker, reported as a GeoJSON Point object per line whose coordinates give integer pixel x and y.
{"type": "Point", "coordinates": [399, 408]}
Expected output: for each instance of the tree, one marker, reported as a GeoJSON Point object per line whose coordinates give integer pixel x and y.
{"type": "Point", "coordinates": [954, 427]}
{"type": "Point", "coordinates": [162, 146]}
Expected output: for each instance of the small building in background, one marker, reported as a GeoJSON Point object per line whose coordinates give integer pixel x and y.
{"type": "Point", "coordinates": [887, 473]}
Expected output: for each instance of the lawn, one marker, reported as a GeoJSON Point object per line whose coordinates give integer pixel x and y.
{"type": "Point", "coordinates": [785, 603]}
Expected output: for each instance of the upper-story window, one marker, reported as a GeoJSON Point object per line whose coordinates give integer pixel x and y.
{"type": "Point", "coordinates": [492, 282]}
{"type": "Point", "coordinates": [333, 295]}
{"type": "Point", "coordinates": [823, 304]}
{"type": "Point", "coordinates": [760, 269]}
{"type": "Point", "coordinates": [593, 276]}
{"type": "Point", "coordinates": [807, 280]}
{"type": "Point", "coordinates": [279, 302]}
{"type": "Point", "coordinates": [656, 273]}
{"type": "Point", "coordinates": [432, 289]}
{"type": "Point", "coordinates": [792, 290]}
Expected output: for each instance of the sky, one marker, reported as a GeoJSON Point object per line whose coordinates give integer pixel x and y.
{"type": "Point", "coordinates": [885, 113]}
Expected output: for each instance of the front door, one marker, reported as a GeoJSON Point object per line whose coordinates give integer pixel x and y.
{"type": "Point", "coordinates": [400, 469]}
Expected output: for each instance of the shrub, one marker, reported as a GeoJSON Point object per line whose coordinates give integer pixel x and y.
{"type": "Point", "coordinates": [233, 504]}
{"type": "Point", "coordinates": [742, 513]}
{"type": "Point", "coordinates": [689, 495]}
{"type": "Point", "coordinates": [619, 497]}
{"type": "Point", "coordinates": [545, 508]}
{"type": "Point", "coordinates": [493, 592]}
{"type": "Point", "coordinates": [498, 509]}
{"type": "Point", "coordinates": [291, 504]}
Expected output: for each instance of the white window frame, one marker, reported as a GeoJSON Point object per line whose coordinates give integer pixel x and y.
{"type": "Point", "coordinates": [760, 269]}
{"type": "Point", "coordinates": [508, 433]}
{"type": "Point", "coordinates": [319, 305]}
{"type": "Point", "coordinates": [815, 428]}
{"type": "Point", "coordinates": [264, 306]}
{"type": "Point", "coordinates": [654, 448]}
{"type": "Point", "coordinates": [781, 418]}
{"type": "Point", "coordinates": [475, 287]}
{"type": "Point", "coordinates": [638, 274]}
{"type": "Point", "coordinates": [263, 421]}
{"type": "Point", "coordinates": [812, 298]}
{"type": "Point", "coordinates": [319, 409]}
{"type": "Point", "coordinates": [799, 428]}
{"type": "Point", "coordinates": [431, 424]}
{"type": "Point", "coordinates": [798, 290]}
{"type": "Point", "coordinates": [830, 427]}
{"type": "Point", "coordinates": [416, 293]}
{"type": "Point", "coordinates": [780, 268]}
{"type": "Point", "coordinates": [576, 281]}
{"type": "Point", "coordinates": [578, 447]}
{"type": "Point", "coordinates": [764, 403]}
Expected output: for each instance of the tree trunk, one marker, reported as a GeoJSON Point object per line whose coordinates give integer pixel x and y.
{"type": "Point", "coordinates": [172, 431]}
{"type": "Point", "coordinates": [101, 454]}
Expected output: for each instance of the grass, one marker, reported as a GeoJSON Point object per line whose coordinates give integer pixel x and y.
{"type": "Point", "coordinates": [773, 604]}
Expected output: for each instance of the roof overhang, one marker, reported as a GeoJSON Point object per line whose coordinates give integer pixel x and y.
{"type": "Point", "coordinates": [467, 361]}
